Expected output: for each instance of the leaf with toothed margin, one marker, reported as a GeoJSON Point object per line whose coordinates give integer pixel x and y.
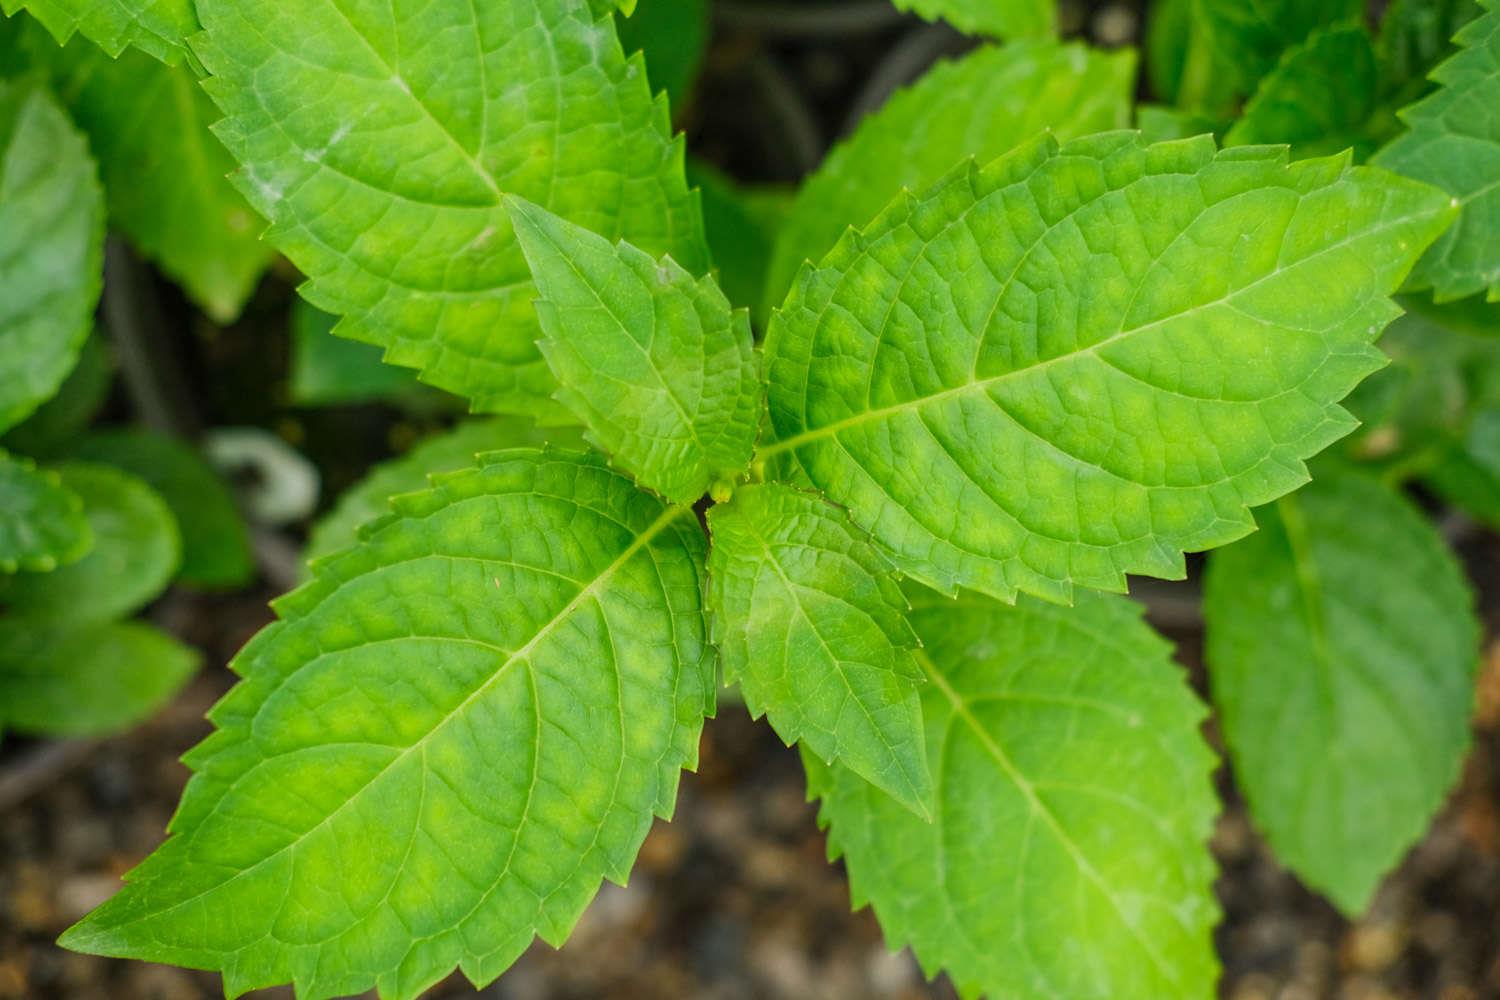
{"type": "Point", "coordinates": [810, 622]}
{"type": "Point", "coordinates": [51, 247]}
{"type": "Point", "coordinates": [380, 139]}
{"type": "Point", "coordinates": [655, 363]}
{"type": "Point", "coordinates": [455, 730]}
{"type": "Point", "coordinates": [1082, 361]}
{"type": "Point", "coordinates": [1454, 142]}
{"type": "Point", "coordinates": [41, 521]}
{"type": "Point", "coordinates": [1068, 852]}
{"type": "Point", "coordinates": [159, 27]}
{"type": "Point", "coordinates": [1341, 647]}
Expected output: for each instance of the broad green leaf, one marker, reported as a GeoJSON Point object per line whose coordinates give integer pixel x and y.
{"type": "Point", "coordinates": [1082, 361]}
{"type": "Point", "coordinates": [1251, 37]}
{"type": "Point", "coordinates": [415, 250]}
{"type": "Point", "coordinates": [671, 35]}
{"type": "Point", "coordinates": [369, 499]}
{"type": "Point", "coordinates": [1000, 18]}
{"type": "Point", "coordinates": [164, 173]}
{"type": "Point", "coordinates": [134, 553]}
{"type": "Point", "coordinates": [811, 624]}
{"type": "Point", "coordinates": [51, 247]}
{"type": "Point", "coordinates": [981, 106]}
{"type": "Point", "coordinates": [656, 364]}
{"type": "Point", "coordinates": [41, 521]}
{"type": "Point", "coordinates": [159, 27]}
{"type": "Point", "coordinates": [328, 370]}
{"type": "Point", "coordinates": [1341, 645]}
{"type": "Point", "coordinates": [454, 732]}
{"type": "Point", "coordinates": [1453, 141]}
{"type": "Point", "coordinates": [1415, 35]}
{"type": "Point", "coordinates": [1319, 98]}
{"type": "Point", "coordinates": [61, 680]}
{"type": "Point", "coordinates": [1182, 63]}
{"type": "Point", "coordinates": [215, 544]}
{"type": "Point", "coordinates": [1068, 856]}
{"type": "Point", "coordinates": [78, 400]}
{"type": "Point", "coordinates": [741, 223]}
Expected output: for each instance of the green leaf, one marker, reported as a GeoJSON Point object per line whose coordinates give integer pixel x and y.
{"type": "Point", "coordinates": [134, 555]}
{"type": "Point", "coordinates": [1415, 35]}
{"type": "Point", "coordinates": [1251, 37]}
{"type": "Point", "coordinates": [1468, 475]}
{"type": "Point", "coordinates": [1182, 64]}
{"type": "Point", "coordinates": [51, 248]}
{"type": "Point", "coordinates": [1159, 124]}
{"type": "Point", "coordinates": [369, 499]}
{"type": "Point", "coordinates": [981, 106]}
{"type": "Point", "coordinates": [1319, 98]}
{"type": "Point", "coordinates": [671, 35]}
{"type": "Point", "coordinates": [415, 250]}
{"type": "Point", "coordinates": [329, 370]}
{"type": "Point", "coordinates": [62, 680]}
{"type": "Point", "coordinates": [1068, 856]}
{"type": "Point", "coordinates": [215, 543]}
{"type": "Point", "coordinates": [163, 171]}
{"type": "Point", "coordinates": [1341, 644]}
{"type": "Point", "coordinates": [1454, 142]}
{"type": "Point", "coordinates": [1080, 362]}
{"type": "Point", "coordinates": [811, 624]}
{"type": "Point", "coordinates": [60, 419]}
{"type": "Point", "coordinates": [159, 27]}
{"type": "Point", "coordinates": [653, 361]}
{"type": "Point", "coordinates": [1000, 18]}
{"type": "Point", "coordinates": [41, 521]}
{"type": "Point", "coordinates": [453, 734]}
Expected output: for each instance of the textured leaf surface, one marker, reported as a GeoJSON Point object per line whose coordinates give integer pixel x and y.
{"type": "Point", "coordinates": [1081, 362]}
{"type": "Point", "coordinates": [811, 624]}
{"type": "Point", "coordinates": [981, 106]}
{"type": "Point", "coordinates": [164, 173]}
{"type": "Point", "coordinates": [1319, 98]}
{"type": "Point", "coordinates": [527, 97]}
{"type": "Point", "coordinates": [133, 556]}
{"type": "Point", "coordinates": [454, 733]}
{"type": "Point", "coordinates": [653, 361]}
{"type": "Point", "coordinates": [159, 27]}
{"type": "Point", "coordinates": [215, 544]}
{"type": "Point", "coordinates": [1068, 856]}
{"type": "Point", "coordinates": [1454, 142]}
{"type": "Point", "coordinates": [1341, 646]}
{"type": "Point", "coordinates": [369, 499]}
{"type": "Point", "coordinates": [51, 247]}
{"type": "Point", "coordinates": [1001, 18]}
{"type": "Point", "coordinates": [62, 680]}
{"type": "Point", "coordinates": [41, 522]}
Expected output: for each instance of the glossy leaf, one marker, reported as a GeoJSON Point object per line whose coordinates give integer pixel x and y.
{"type": "Point", "coordinates": [1454, 142]}
{"type": "Point", "coordinates": [656, 364]}
{"type": "Point", "coordinates": [981, 106]}
{"type": "Point", "coordinates": [810, 622]}
{"type": "Point", "coordinates": [369, 499]}
{"type": "Point", "coordinates": [1081, 362]}
{"type": "Point", "coordinates": [215, 543]}
{"type": "Point", "coordinates": [1341, 645]}
{"type": "Point", "coordinates": [61, 680]}
{"type": "Point", "coordinates": [454, 732]}
{"type": "Point", "coordinates": [1068, 855]}
{"type": "Point", "coordinates": [159, 27]}
{"type": "Point", "coordinates": [41, 521]}
{"type": "Point", "coordinates": [51, 247]}
{"type": "Point", "coordinates": [1000, 18]}
{"type": "Point", "coordinates": [415, 250]}
{"type": "Point", "coordinates": [134, 553]}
